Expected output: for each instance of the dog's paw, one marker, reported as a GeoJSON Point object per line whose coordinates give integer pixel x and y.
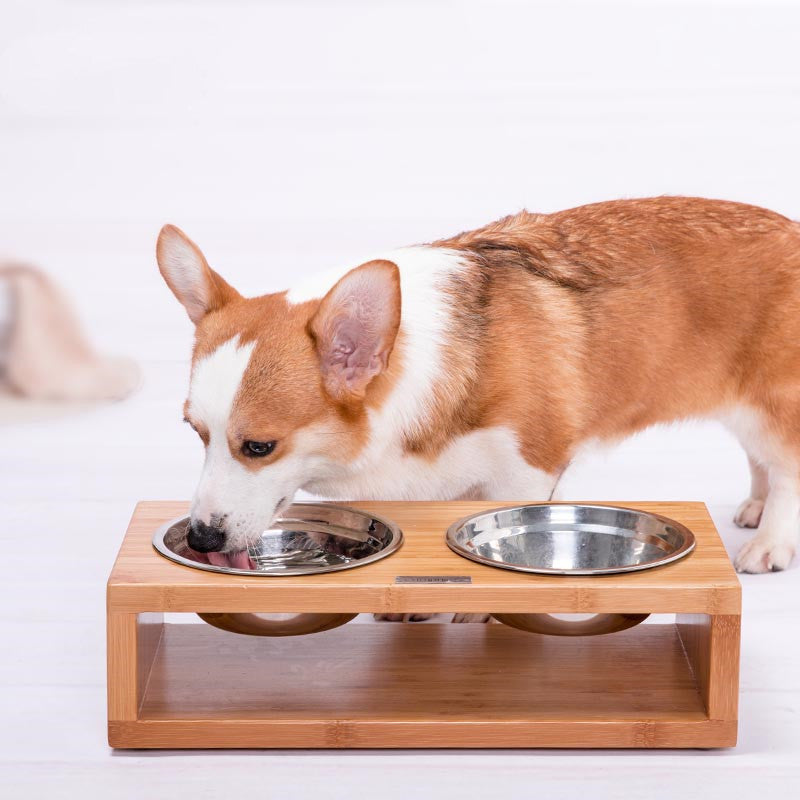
{"type": "Point", "coordinates": [471, 617]}
{"type": "Point", "coordinates": [748, 515]}
{"type": "Point", "coordinates": [762, 555]}
{"type": "Point", "coordinates": [402, 617]}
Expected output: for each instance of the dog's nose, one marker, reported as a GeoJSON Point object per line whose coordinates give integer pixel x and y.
{"type": "Point", "coordinates": [205, 538]}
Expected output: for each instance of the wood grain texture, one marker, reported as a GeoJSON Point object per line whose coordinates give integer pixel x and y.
{"type": "Point", "coordinates": [411, 672]}
{"type": "Point", "coordinates": [425, 686]}
{"type": "Point", "coordinates": [123, 683]}
{"type": "Point", "coordinates": [222, 734]}
{"type": "Point", "coordinates": [712, 647]}
{"type": "Point", "coordinates": [421, 686]}
{"type": "Point", "coordinates": [703, 582]}
{"type": "Point", "coordinates": [132, 643]}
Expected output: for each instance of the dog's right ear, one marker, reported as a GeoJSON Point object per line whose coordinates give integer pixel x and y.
{"type": "Point", "coordinates": [355, 328]}
{"type": "Point", "coordinates": [198, 288]}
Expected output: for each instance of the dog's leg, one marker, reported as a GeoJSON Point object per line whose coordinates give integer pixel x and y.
{"type": "Point", "coordinates": [774, 502]}
{"type": "Point", "coordinates": [748, 515]}
{"type": "Point", "coordinates": [773, 547]}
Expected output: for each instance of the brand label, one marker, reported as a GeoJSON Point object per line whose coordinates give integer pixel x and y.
{"type": "Point", "coordinates": [433, 579]}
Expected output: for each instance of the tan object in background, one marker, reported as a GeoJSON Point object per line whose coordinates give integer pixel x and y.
{"type": "Point", "coordinates": [44, 354]}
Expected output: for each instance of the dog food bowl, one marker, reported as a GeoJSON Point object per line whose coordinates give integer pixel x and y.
{"type": "Point", "coordinates": [567, 539]}
{"type": "Point", "coordinates": [310, 539]}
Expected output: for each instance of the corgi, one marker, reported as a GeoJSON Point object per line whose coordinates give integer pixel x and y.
{"type": "Point", "coordinates": [478, 365]}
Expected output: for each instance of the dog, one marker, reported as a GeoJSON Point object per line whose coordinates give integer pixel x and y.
{"type": "Point", "coordinates": [478, 365]}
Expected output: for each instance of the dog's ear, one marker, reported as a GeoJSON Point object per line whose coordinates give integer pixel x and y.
{"type": "Point", "coordinates": [198, 288]}
{"type": "Point", "coordinates": [355, 327]}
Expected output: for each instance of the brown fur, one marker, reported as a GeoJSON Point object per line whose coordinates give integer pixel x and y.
{"type": "Point", "coordinates": [602, 320]}
{"type": "Point", "coordinates": [282, 393]}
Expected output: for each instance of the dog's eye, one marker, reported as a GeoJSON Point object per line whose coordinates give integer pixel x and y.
{"type": "Point", "coordinates": [258, 449]}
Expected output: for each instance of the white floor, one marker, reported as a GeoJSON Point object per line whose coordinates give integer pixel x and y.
{"type": "Point", "coordinates": [67, 488]}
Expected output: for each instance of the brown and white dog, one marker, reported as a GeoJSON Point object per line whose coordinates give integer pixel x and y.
{"type": "Point", "coordinates": [476, 366]}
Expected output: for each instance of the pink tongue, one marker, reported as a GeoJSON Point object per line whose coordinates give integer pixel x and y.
{"type": "Point", "coordinates": [240, 560]}
{"type": "Point", "coordinates": [218, 559]}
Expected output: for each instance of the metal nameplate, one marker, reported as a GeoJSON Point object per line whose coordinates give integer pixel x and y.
{"type": "Point", "coordinates": [433, 579]}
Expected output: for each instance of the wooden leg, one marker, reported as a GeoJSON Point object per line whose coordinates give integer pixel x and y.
{"type": "Point", "coordinates": [133, 641]}
{"type": "Point", "coordinates": [712, 647]}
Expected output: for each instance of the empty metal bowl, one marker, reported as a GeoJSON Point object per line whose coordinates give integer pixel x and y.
{"type": "Point", "coordinates": [569, 539]}
{"type": "Point", "coordinates": [310, 539]}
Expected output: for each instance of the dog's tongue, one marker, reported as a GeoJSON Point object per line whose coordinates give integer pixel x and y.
{"type": "Point", "coordinates": [240, 560]}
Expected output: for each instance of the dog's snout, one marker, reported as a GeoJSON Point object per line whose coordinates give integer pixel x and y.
{"type": "Point", "coordinates": [205, 538]}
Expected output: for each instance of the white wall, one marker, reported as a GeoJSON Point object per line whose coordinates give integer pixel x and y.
{"type": "Point", "coordinates": [285, 137]}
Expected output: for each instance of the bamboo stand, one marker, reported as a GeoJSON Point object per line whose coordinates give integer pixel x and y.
{"type": "Point", "coordinates": [425, 685]}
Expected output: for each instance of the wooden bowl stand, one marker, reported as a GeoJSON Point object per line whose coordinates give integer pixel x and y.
{"type": "Point", "coordinates": [423, 685]}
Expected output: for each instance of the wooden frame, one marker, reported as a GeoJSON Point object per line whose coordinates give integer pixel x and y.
{"type": "Point", "coordinates": [428, 685]}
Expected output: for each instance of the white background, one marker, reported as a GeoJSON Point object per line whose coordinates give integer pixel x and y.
{"type": "Point", "coordinates": [289, 137]}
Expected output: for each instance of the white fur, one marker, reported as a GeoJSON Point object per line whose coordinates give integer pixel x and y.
{"type": "Point", "coordinates": [215, 382]}
{"type": "Point", "coordinates": [226, 487]}
{"type": "Point", "coordinates": [482, 463]}
{"type": "Point", "coordinates": [774, 504]}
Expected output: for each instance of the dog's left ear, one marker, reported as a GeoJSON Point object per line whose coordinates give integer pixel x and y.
{"type": "Point", "coordinates": [185, 269]}
{"type": "Point", "coordinates": [355, 327]}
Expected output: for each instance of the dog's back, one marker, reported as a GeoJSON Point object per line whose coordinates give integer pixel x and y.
{"type": "Point", "coordinates": [615, 316]}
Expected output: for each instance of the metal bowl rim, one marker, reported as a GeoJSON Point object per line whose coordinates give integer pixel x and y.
{"type": "Point", "coordinates": [394, 544]}
{"type": "Point", "coordinates": [688, 545]}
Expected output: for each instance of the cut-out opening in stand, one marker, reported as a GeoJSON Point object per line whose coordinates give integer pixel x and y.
{"type": "Point", "coordinates": [419, 672]}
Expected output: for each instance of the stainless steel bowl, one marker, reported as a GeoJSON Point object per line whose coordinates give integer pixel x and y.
{"type": "Point", "coordinates": [310, 539]}
{"type": "Point", "coordinates": [566, 539]}
{"type": "Point", "coordinates": [569, 539]}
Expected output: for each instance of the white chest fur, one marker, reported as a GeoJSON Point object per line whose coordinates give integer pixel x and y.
{"type": "Point", "coordinates": [484, 463]}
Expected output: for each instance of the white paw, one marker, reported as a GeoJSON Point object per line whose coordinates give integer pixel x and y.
{"type": "Point", "coordinates": [748, 515]}
{"type": "Point", "coordinates": [762, 555]}
{"type": "Point", "coordinates": [471, 617]}
{"type": "Point", "coordinates": [402, 617]}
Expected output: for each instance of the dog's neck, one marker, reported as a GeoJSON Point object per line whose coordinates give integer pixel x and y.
{"type": "Point", "coordinates": [427, 382]}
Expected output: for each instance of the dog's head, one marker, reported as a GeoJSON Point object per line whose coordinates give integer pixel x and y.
{"type": "Point", "coordinates": [278, 390]}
